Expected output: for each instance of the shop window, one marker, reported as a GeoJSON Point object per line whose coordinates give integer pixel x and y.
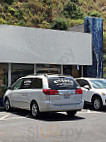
{"type": "Point", "coordinates": [3, 78]}
{"type": "Point", "coordinates": [48, 68]}
{"type": "Point", "coordinates": [20, 70]}
{"type": "Point", "coordinates": [76, 71]}
{"type": "Point", "coordinates": [67, 70]}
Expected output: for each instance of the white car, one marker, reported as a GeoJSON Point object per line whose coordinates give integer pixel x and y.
{"type": "Point", "coordinates": [94, 91]}
{"type": "Point", "coordinates": [45, 93]}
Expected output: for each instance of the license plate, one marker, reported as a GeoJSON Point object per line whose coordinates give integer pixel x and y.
{"type": "Point", "coordinates": [66, 96]}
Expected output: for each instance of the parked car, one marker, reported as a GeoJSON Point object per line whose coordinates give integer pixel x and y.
{"type": "Point", "coordinates": [94, 91]}
{"type": "Point", "coordinates": [45, 93]}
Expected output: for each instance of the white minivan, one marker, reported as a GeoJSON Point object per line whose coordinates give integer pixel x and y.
{"type": "Point", "coordinates": [45, 93]}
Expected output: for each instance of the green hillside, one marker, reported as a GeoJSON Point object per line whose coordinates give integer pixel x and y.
{"type": "Point", "coordinates": [45, 13]}
{"type": "Point", "coordinates": [52, 14]}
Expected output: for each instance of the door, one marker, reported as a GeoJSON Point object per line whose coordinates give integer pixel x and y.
{"type": "Point", "coordinates": [31, 90]}
{"type": "Point", "coordinates": [66, 91]}
{"type": "Point", "coordinates": [15, 94]}
{"type": "Point", "coordinates": [86, 93]}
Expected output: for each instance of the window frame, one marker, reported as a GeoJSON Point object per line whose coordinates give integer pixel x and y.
{"type": "Point", "coordinates": [16, 83]}
{"type": "Point", "coordinates": [85, 84]}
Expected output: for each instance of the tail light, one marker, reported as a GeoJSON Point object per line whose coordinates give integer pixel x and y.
{"type": "Point", "coordinates": [78, 91]}
{"type": "Point", "coordinates": [50, 92]}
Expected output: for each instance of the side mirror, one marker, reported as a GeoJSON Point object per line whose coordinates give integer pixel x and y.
{"type": "Point", "coordinates": [87, 87]}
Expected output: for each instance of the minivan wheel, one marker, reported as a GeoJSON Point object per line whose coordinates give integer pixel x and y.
{"type": "Point", "coordinates": [97, 103]}
{"type": "Point", "coordinates": [34, 110]}
{"type": "Point", "coordinates": [71, 113]}
{"type": "Point", "coordinates": [7, 105]}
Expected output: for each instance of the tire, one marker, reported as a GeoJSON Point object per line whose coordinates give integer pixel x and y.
{"type": "Point", "coordinates": [71, 113]}
{"type": "Point", "coordinates": [97, 103]}
{"type": "Point", "coordinates": [35, 110]}
{"type": "Point", "coordinates": [7, 105]}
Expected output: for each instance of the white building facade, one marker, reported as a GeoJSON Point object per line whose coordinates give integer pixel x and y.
{"type": "Point", "coordinates": [33, 50]}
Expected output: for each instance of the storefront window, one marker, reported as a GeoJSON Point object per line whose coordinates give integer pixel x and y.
{"type": "Point", "coordinates": [19, 70]}
{"type": "Point", "coordinates": [67, 70]}
{"type": "Point", "coordinates": [76, 71]}
{"type": "Point", "coordinates": [48, 68]}
{"type": "Point", "coordinates": [3, 78]}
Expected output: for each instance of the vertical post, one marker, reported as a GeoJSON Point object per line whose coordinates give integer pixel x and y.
{"type": "Point", "coordinates": [9, 74]}
{"type": "Point", "coordinates": [82, 71]}
{"type": "Point", "coordinates": [35, 69]}
{"type": "Point", "coordinates": [62, 70]}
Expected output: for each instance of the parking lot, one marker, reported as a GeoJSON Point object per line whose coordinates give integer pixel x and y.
{"type": "Point", "coordinates": [19, 126]}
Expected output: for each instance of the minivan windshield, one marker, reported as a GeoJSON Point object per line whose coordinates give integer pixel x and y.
{"type": "Point", "coordinates": [99, 84]}
{"type": "Point", "coordinates": [62, 83]}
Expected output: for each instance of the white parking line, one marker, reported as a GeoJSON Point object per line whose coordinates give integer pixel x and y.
{"type": "Point", "coordinates": [89, 111]}
{"type": "Point", "coordinates": [2, 118]}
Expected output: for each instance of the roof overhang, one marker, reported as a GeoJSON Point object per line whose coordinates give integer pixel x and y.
{"type": "Point", "coordinates": [35, 45]}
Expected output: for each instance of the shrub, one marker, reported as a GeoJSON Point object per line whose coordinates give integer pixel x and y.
{"type": "Point", "coordinates": [45, 25]}
{"type": "Point", "coordinates": [2, 21]}
{"type": "Point", "coordinates": [59, 24]}
{"type": "Point", "coordinates": [5, 8]}
{"type": "Point", "coordinates": [21, 23]}
{"type": "Point", "coordinates": [0, 8]}
{"type": "Point", "coordinates": [9, 22]}
{"type": "Point", "coordinates": [9, 1]}
{"type": "Point", "coordinates": [95, 14]}
{"type": "Point", "coordinates": [76, 1]}
{"type": "Point", "coordinates": [19, 14]}
{"type": "Point", "coordinates": [36, 19]}
{"type": "Point", "coordinates": [2, 15]}
{"type": "Point", "coordinates": [104, 42]}
{"type": "Point", "coordinates": [72, 10]}
{"type": "Point", "coordinates": [75, 22]}
{"type": "Point", "coordinates": [12, 11]}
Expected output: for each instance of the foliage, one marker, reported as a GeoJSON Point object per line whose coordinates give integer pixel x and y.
{"type": "Point", "coordinates": [59, 24]}
{"type": "Point", "coordinates": [72, 22]}
{"type": "Point", "coordinates": [2, 21]}
{"type": "Point", "coordinates": [9, 1]}
{"type": "Point", "coordinates": [21, 23]}
{"type": "Point", "coordinates": [72, 10]}
{"type": "Point", "coordinates": [95, 14]}
{"type": "Point", "coordinates": [38, 12]}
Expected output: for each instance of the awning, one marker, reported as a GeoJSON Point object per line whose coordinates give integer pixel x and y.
{"type": "Point", "coordinates": [35, 45]}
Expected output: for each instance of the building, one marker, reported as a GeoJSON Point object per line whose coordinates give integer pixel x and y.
{"type": "Point", "coordinates": [33, 50]}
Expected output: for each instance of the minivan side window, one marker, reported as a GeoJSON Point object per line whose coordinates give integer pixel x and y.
{"type": "Point", "coordinates": [36, 83]}
{"type": "Point", "coordinates": [26, 84]}
{"type": "Point", "coordinates": [17, 85]}
{"type": "Point", "coordinates": [31, 83]}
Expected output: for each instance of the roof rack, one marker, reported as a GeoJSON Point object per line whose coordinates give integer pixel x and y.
{"type": "Point", "coordinates": [48, 74]}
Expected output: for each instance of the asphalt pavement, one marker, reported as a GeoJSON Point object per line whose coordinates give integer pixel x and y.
{"type": "Point", "coordinates": [86, 126]}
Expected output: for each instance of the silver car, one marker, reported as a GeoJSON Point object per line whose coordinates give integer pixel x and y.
{"type": "Point", "coordinates": [45, 93]}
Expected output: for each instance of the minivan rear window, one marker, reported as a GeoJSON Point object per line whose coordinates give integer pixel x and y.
{"type": "Point", "coordinates": [62, 83]}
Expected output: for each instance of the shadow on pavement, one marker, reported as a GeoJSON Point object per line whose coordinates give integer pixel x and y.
{"type": "Point", "coordinates": [47, 116]}
{"type": "Point", "coordinates": [90, 107]}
